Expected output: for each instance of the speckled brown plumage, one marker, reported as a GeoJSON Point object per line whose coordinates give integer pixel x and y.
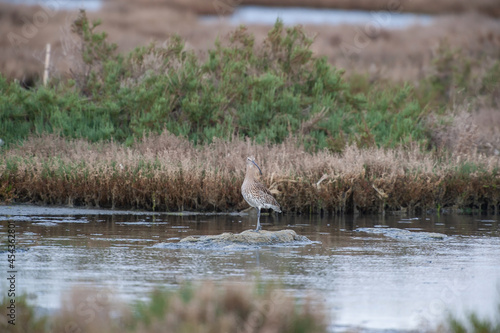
{"type": "Point", "coordinates": [255, 193]}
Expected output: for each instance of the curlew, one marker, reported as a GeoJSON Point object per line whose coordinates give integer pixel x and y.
{"type": "Point", "coordinates": [255, 193]}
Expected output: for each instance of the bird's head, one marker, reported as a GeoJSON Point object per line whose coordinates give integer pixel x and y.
{"type": "Point", "coordinates": [252, 166]}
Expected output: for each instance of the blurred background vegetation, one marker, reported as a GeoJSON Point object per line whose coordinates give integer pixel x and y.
{"type": "Point", "coordinates": [421, 85]}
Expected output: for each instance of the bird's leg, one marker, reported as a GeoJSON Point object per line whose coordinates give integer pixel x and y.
{"type": "Point", "coordinates": [258, 219]}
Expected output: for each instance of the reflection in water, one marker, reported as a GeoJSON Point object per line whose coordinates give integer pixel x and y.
{"type": "Point", "coordinates": [367, 280]}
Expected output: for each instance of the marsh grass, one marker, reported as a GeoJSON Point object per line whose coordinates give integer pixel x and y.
{"type": "Point", "coordinates": [206, 307]}
{"type": "Point", "coordinates": [167, 173]}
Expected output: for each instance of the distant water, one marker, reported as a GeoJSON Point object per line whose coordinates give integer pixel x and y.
{"type": "Point", "coordinates": [268, 15]}
{"type": "Point", "coordinates": [60, 4]}
{"type": "Point", "coordinates": [292, 16]}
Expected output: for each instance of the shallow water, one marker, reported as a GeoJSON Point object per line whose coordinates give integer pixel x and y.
{"type": "Point", "coordinates": [368, 280]}
{"type": "Point", "coordinates": [53, 5]}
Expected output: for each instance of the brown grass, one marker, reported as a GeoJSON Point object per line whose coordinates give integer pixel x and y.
{"type": "Point", "coordinates": [395, 54]}
{"type": "Point", "coordinates": [167, 173]}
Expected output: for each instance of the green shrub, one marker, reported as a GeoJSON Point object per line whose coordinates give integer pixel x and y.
{"type": "Point", "coordinates": [267, 92]}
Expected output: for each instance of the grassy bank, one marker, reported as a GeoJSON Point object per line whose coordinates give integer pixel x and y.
{"type": "Point", "coordinates": [168, 173]}
{"type": "Point", "coordinates": [229, 307]}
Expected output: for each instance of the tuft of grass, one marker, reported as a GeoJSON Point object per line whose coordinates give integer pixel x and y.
{"type": "Point", "coordinates": [229, 308]}
{"type": "Point", "coordinates": [24, 319]}
{"type": "Point", "coordinates": [474, 324]}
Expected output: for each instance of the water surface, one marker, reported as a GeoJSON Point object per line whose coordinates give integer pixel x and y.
{"type": "Point", "coordinates": [372, 20]}
{"type": "Point", "coordinates": [60, 4]}
{"type": "Point", "coordinates": [367, 280]}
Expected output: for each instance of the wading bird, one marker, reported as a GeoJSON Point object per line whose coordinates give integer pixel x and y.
{"type": "Point", "coordinates": [255, 193]}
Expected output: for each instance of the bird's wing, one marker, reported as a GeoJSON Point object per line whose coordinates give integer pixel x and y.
{"type": "Point", "coordinates": [268, 197]}
{"type": "Point", "coordinates": [261, 188]}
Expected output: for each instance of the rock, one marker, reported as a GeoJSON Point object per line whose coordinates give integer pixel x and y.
{"type": "Point", "coordinates": [249, 237]}
{"type": "Point", "coordinates": [404, 234]}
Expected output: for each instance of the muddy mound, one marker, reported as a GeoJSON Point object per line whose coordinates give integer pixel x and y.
{"type": "Point", "coordinates": [250, 237]}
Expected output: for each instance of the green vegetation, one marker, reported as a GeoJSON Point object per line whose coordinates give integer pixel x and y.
{"type": "Point", "coordinates": [229, 307]}
{"type": "Point", "coordinates": [266, 92]}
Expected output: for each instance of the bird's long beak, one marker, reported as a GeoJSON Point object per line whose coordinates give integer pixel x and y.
{"type": "Point", "coordinates": [257, 167]}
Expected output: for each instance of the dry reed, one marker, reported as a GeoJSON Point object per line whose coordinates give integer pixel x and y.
{"type": "Point", "coordinates": [167, 173]}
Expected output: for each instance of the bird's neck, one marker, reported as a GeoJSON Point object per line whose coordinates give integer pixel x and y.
{"type": "Point", "coordinates": [250, 176]}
